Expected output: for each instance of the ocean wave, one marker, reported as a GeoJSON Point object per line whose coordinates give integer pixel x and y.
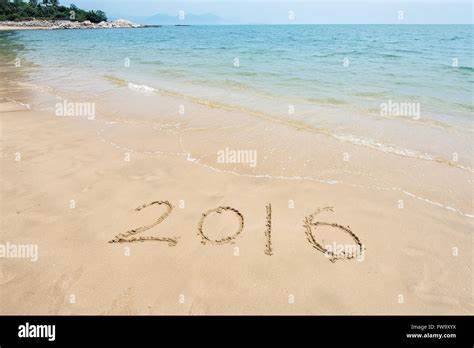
{"type": "Point", "coordinates": [375, 112]}
{"type": "Point", "coordinates": [373, 144]}
{"type": "Point", "coordinates": [402, 50]}
{"type": "Point", "coordinates": [467, 107]}
{"type": "Point", "coordinates": [370, 95]}
{"type": "Point", "coordinates": [393, 149]}
{"type": "Point", "coordinates": [234, 84]}
{"type": "Point", "coordinates": [325, 55]}
{"type": "Point", "coordinates": [258, 74]}
{"type": "Point", "coordinates": [301, 125]}
{"type": "Point", "coordinates": [17, 102]}
{"type": "Point", "coordinates": [454, 38]}
{"type": "Point", "coordinates": [327, 181]}
{"type": "Point", "coordinates": [389, 55]}
{"type": "Point", "coordinates": [116, 80]}
{"type": "Point", "coordinates": [465, 68]}
{"type": "Point", "coordinates": [140, 88]}
{"type": "Point", "coordinates": [325, 101]}
{"type": "Point", "coordinates": [152, 62]}
{"type": "Point", "coordinates": [353, 53]}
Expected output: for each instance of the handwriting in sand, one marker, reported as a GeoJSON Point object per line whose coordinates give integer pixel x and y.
{"type": "Point", "coordinates": [309, 224]}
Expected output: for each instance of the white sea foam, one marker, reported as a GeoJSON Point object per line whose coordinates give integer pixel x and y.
{"type": "Point", "coordinates": [393, 149]}
{"type": "Point", "coordinates": [387, 148]}
{"type": "Point", "coordinates": [25, 105]}
{"type": "Point", "coordinates": [141, 88]}
{"type": "Point", "coordinates": [350, 138]}
{"type": "Point", "coordinates": [188, 156]}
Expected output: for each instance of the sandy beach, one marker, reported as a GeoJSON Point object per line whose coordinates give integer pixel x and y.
{"type": "Point", "coordinates": [408, 266]}
{"type": "Point", "coordinates": [131, 199]}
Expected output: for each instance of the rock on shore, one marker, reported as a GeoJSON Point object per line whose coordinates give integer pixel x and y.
{"type": "Point", "coordinates": [65, 24]}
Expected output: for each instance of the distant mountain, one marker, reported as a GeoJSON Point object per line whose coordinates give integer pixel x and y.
{"type": "Point", "coordinates": [207, 18]}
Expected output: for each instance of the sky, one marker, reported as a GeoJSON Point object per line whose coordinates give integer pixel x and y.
{"type": "Point", "coordinates": [302, 11]}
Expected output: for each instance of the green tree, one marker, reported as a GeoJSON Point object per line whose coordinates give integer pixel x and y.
{"type": "Point", "coordinates": [49, 9]}
{"type": "Point", "coordinates": [96, 16]}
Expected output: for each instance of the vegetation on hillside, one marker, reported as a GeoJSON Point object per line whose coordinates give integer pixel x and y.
{"type": "Point", "coordinates": [17, 10]}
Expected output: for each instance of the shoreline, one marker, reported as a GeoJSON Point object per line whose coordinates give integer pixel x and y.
{"type": "Point", "coordinates": [66, 24]}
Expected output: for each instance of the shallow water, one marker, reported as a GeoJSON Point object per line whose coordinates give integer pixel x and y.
{"type": "Point", "coordinates": [303, 63]}
{"type": "Point", "coordinates": [346, 79]}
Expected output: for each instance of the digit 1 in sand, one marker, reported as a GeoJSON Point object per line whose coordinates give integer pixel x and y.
{"type": "Point", "coordinates": [268, 231]}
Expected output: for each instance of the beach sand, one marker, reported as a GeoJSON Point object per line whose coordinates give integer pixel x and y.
{"type": "Point", "coordinates": [79, 181]}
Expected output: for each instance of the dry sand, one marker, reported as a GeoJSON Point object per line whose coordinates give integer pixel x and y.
{"type": "Point", "coordinates": [417, 260]}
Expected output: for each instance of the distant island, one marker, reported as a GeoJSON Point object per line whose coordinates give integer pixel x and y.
{"type": "Point", "coordinates": [49, 14]}
{"type": "Point", "coordinates": [186, 19]}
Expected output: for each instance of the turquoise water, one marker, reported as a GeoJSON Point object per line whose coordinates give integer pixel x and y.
{"type": "Point", "coordinates": [331, 76]}
{"type": "Point", "coordinates": [303, 63]}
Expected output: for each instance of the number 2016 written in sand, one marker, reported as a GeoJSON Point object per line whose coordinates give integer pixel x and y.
{"type": "Point", "coordinates": [309, 224]}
